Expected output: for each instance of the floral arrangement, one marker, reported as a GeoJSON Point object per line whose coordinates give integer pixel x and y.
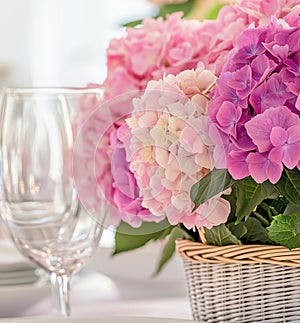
{"type": "Point", "coordinates": [213, 139]}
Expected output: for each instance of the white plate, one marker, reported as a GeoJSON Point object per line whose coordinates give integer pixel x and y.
{"type": "Point", "coordinates": [15, 299]}
{"type": "Point", "coordinates": [14, 267]}
{"type": "Point", "coordinates": [98, 320]}
{"type": "Point", "coordinates": [17, 278]}
{"type": "Point", "coordinates": [11, 259]}
{"type": "Point", "coordinates": [20, 287]}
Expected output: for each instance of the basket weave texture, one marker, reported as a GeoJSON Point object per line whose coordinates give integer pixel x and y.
{"type": "Point", "coordinates": [242, 283]}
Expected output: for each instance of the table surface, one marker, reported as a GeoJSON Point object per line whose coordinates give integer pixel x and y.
{"type": "Point", "coordinates": [120, 286]}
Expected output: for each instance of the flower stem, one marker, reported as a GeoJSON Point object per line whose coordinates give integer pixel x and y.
{"type": "Point", "coordinates": [262, 219]}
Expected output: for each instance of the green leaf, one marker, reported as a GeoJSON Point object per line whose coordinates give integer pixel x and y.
{"type": "Point", "coordinates": [164, 10]}
{"type": "Point", "coordinates": [215, 182]}
{"type": "Point", "coordinates": [144, 229]}
{"type": "Point", "coordinates": [185, 7]}
{"type": "Point", "coordinates": [239, 230]}
{"type": "Point", "coordinates": [220, 236]}
{"type": "Point", "coordinates": [289, 185]}
{"type": "Point", "coordinates": [133, 23]}
{"type": "Point", "coordinates": [231, 198]}
{"type": "Point", "coordinates": [285, 230]}
{"type": "Point", "coordinates": [250, 194]}
{"type": "Point", "coordinates": [128, 238]}
{"type": "Point", "coordinates": [256, 232]}
{"type": "Point", "coordinates": [291, 208]}
{"type": "Point", "coordinates": [169, 248]}
{"type": "Point", "coordinates": [213, 14]}
{"type": "Point", "coordinates": [250, 231]}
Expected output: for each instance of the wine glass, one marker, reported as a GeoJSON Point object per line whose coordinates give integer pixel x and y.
{"type": "Point", "coordinates": [40, 205]}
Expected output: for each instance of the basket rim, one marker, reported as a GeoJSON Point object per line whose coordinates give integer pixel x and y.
{"type": "Point", "coordinates": [239, 254]}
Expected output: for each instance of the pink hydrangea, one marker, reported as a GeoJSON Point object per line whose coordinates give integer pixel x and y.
{"type": "Point", "coordinates": [148, 52]}
{"type": "Point", "coordinates": [255, 110]}
{"type": "Point", "coordinates": [87, 128]}
{"type": "Point", "coordinates": [125, 193]}
{"type": "Point", "coordinates": [263, 10]}
{"type": "Point", "coordinates": [170, 149]}
{"type": "Point", "coordinates": [159, 47]}
{"type": "Point", "coordinates": [96, 122]}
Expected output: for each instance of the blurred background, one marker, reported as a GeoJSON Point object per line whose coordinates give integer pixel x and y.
{"type": "Point", "coordinates": [61, 42]}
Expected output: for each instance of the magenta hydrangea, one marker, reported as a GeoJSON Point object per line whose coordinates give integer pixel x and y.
{"type": "Point", "coordinates": [255, 111]}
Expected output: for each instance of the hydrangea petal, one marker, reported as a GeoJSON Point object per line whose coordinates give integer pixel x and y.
{"type": "Point", "coordinates": [259, 127]}
{"type": "Point", "coordinates": [278, 136]}
{"type": "Point", "coordinates": [261, 168]}
{"type": "Point", "coordinates": [237, 165]}
{"type": "Point", "coordinates": [228, 116]}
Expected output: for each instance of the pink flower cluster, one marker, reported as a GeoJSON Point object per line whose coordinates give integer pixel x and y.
{"type": "Point", "coordinates": [161, 47]}
{"type": "Point", "coordinates": [97, 124]}
{"type": "Point", "coordinates": [255, 109]}
{"type": "Point", "coordinates": [167, 47]}
{"type": "Point", "coordinates": [158, 47]}
{"type": "Point", "coordinates": [170, 149]}
{"type": "Point", "coordinates": [86, 153]}
{"type": "Point", "coordinates": [263, 10]}
{"type": "Point", "coordinates": [125, 194]}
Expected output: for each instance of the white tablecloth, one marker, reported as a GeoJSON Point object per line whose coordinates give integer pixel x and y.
{"type": "Point", "coordinates": [118, 286]}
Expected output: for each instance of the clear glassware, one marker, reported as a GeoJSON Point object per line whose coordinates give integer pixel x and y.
{"type": "Point", "coordinates": [40, 205]}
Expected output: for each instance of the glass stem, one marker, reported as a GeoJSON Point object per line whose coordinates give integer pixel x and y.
{"type": "Point", "coordinates": [61, 293]}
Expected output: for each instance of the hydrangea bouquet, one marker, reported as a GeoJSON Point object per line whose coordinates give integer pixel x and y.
{"type": "Point", "coordinates": [213, 140]}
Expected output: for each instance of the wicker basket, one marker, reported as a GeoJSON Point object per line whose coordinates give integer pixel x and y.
{"type": "Point", "coordinates": [242, 283]}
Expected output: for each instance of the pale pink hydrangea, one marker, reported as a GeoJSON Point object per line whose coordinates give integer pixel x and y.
{"type": "Point", "coordinates": [170, 149]}
{"type": "Point", "coordinates": [255, 112]}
